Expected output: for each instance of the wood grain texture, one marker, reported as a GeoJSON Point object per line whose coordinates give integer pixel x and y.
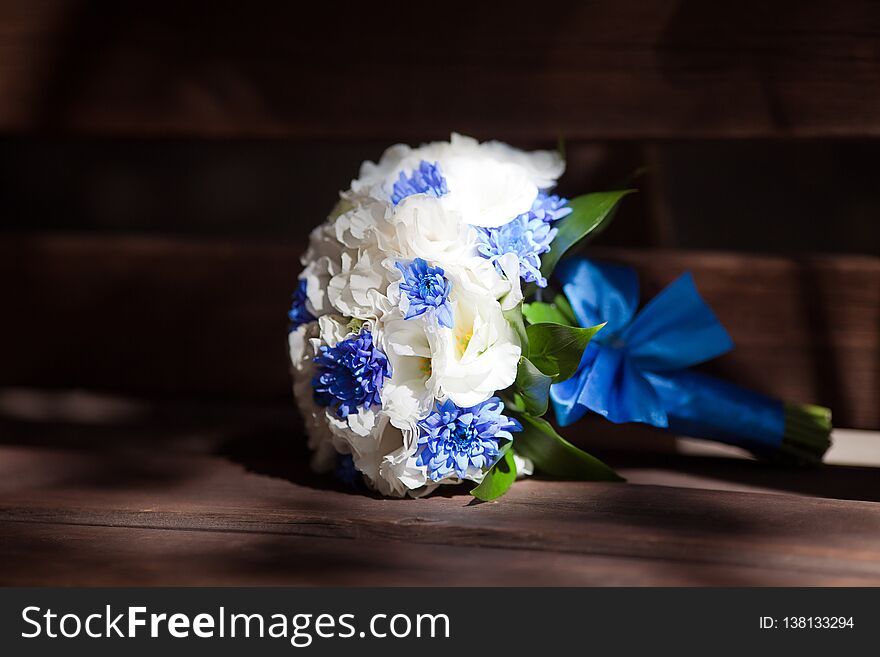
{"type": "Point", "coordinates": [174, 318]}
{"type": "Point", "coordinates": [664, 68]}
{"type": "Point", "coordinates": [141, 516]}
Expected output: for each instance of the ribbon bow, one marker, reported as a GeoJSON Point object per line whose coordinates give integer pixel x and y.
{"type": "Point", "coordinates": [622, 373]}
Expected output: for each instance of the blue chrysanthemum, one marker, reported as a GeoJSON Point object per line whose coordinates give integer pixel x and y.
{"type": "Point", "coordinates": [426, 288]}
{"type": "Point", "coordinates": [453, 440]}
{"type": "Point", "coordinates": [550, 207]}
{"type": "Point", "coordinates": [427, 179]}
{"type": "Point", "coordinates": [299, 314]}
{"type": "Point", "coordinates": [528, 236]}
{"type": "Point", "coordinates": [346, 472]}
{"type": "Point", "coordinates": [350, 375]}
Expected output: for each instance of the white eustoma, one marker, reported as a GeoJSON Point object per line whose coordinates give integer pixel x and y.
{"type": "Point", "coordinates": [479, 277]}
{"type": "Point", "coordinates": [543, 167]}
{"type": "Point", "coordinates": [409, 394]}
{"type": "Point", "coordinates": [478, 356]}
{"type": "Point", "coordinates": [486, 192]}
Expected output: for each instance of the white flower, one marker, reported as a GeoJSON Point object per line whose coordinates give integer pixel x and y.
{"type": "Point", "coordinates": [478, 276]}
{"type": "Point", "coordinates": [479, 355]}
{"type": "Point", "coordinates": [320, 437]}
{"type": "Point", "coordinates": [387, 460]}
{"type": "Point", "coordinates": [375, 177]}
{"type": "Point", "coordinates": [297, 341]}
{"type": "Point", "coordinates": [422, 227]}
{"type": "Point", "coordinates": [543, 167]}
{"type": "Point", "coordinates": [408, 395]}
{"type": "Point", "coordinates": [358, 290]}
{"type": "Point", "coordinates": [331, 329]}
{"type": "Point", "coordinates": [524, 466]}
{"type": "Point", "coordinates": [489, 184]}
{"type": "Point", "coordinates": [355, 226]}
{"type": "Point", "coordinates": [322, 262]}
{"type": "Point", "coordinates": [486, 192]}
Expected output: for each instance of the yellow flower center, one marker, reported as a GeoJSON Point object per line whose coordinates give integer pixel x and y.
{"type": "Point", "coordinates": [463, 339]}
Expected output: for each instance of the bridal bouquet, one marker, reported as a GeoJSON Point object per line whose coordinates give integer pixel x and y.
{"type": "Point", "coordinates": [417, 363]}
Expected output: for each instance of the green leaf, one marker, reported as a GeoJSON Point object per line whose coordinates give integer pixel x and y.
{"type": "Point", "coordinates": [532, 388]}
{"type": "Point", "coordinates": [590, 213]}
{"type": "Point", "coordinates": [564, 307]}
{"type": "Point", "coordinates": [555, 456]}
{"type": "Point", "coordinates": [556, 350]}
{"type": "Point", "coordinates": [539, 312]}
{"type": "Point", "coordinates": [514, 317]}
{"type": "Point", "coordinates": [499, 477]}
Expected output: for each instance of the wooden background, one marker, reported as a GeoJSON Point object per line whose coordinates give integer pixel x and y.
{"type": "Point", "coordinates": [162, 163]}
{"type": "Point", "coordinates": [586, 70]}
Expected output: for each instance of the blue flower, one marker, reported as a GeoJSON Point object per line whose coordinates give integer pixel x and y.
{"type": "Point", "coordinates": [299, 314]}
{"type": "Point", "coordinates": [427, 179]}
{"type": "Point", "coordinates": [427, 288]}
{"type": "Point", "coordinates": [550, 207]}
{"type": "Point", "coordinates": [346, 472]}
{"type": "Point", "coordinates": [528, 236]}
{"type": "Point", "coordinates": [350, 375]}
{"type": "Point", "coordinates": [453, 440]}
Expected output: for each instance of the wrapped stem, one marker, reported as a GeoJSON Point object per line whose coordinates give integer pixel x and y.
{"type": "Point", "coordinates": [807, 434]}
{"type": "Point", "coordinates": [705, 407]}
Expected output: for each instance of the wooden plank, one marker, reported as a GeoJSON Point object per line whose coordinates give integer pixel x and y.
{"type": "Point", "coordinates": [174, 318]}
{"type": "Point", "coordinates": [36, 554]}
{"type": "Point", "coordinates": [802, 539]}
{"type": "Point", "coordinates": [665, 68]}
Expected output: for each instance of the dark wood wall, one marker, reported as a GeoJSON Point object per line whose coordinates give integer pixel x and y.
{"type": "Point", "coordinates": [398, 70]}
{"type": "Point", "coordinates": [161, 164]}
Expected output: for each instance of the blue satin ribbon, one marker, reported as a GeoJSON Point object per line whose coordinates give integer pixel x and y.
{"type": "Point", "coordinates": [635, 368]}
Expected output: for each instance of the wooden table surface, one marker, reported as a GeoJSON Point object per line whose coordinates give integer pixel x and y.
{"type": "Point", "coordinates": [102, 491]}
